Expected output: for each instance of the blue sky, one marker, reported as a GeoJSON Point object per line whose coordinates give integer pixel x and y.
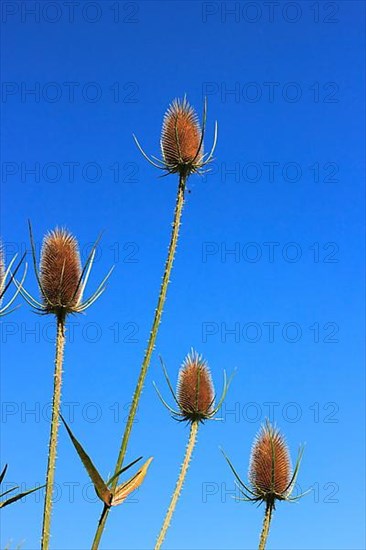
{"type": "Point", "coordinates": [268, 277]}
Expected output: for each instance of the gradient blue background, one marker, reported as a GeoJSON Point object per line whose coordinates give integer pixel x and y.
{"type": "Point", "coordinates": [170, 49]}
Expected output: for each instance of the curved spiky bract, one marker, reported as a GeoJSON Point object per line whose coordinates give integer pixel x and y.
{"type": "Point", "coordinates": [60, 272]}
{"type": "Point", "coordinates": [270, 464]}
{"type": "Point", "coordinates": [181, 145]}
{"type": "Point", "coordinates": [2, 272]}
{"type": "Point", "coordinates": [195, 392]}
{"type": "Point", "coordinates": [7, 277]}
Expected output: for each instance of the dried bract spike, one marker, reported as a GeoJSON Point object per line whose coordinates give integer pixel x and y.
{"type": "Point", "coordinates": [2, 273]}
{"type": "Point", "coordinates": [181, 144]}
{"type": "Point", "coordinates": [195, 392]}
{"type": "Point", "coordinates": [7, 277]}
{"type": "Point", "coordinates": [60, 272]}
{"type": "Point", "coordinates": [270, 465]}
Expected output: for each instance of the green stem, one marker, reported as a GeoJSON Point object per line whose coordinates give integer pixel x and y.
{"type": "Point", "coordinates": [265, 528]}
{"type": "Point", "coordinates": [178, 488]}
{"type": "Point", "coordinates": [60, 344]}
{"type": "Point", "coordinates": [149, 350]}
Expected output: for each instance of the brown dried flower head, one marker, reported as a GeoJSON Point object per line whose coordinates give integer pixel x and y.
{"type": "Point", "coordinates": [270, 464]}
{"type": "Point", "coordinates": [195, 392]}
{"type": "Point", "coordinates": [60, 272]}
{"type": "Point", "coordinates": [270, 473]}
{"type": "Point", "coordinates": [60, 277]}
{"type": "Point", "coordinates": [195, 395]}
{"type": "Point", "coordinates": [181, 143]}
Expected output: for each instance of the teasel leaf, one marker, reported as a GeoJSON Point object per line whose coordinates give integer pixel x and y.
{"type": "Point", "coordinates": [126, 488]}
{"type": "Point", "coordinates": [18, 496]}
{"type": "Point", "coordinates": [100, 487]}
{"type": "Point", "coordinates": [117, 474]}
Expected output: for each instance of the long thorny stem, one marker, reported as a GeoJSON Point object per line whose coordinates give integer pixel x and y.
{"type": "Point", "coordinates": [266, 524]}
{"type": "Point", "coordinates": [149, 350]}
{"type": "Point", "coordinates": [179, 485]}
{"type": "Point", "coordinates": [56, 401]}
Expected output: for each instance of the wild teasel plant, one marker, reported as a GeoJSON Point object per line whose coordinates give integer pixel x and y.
{"type": "Point", "coordinates": [270, 474]}
{"type": "Point", "coordinates": [195, 399]}
{"type": "Point", "coordinates": [6, 278]}
{"type": "Point", "coordinates": [62, 282]}
{"type": "Point", "coordinates": [182, 145]}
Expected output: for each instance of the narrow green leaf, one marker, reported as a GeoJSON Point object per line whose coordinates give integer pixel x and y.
{"type": "Point", "coordinates": [19, 496]}
{"type": "Point", "coordinates": [100, 487]}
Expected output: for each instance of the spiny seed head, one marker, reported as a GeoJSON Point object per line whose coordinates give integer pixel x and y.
{"type": "Point", "coordinates": [60, 272]}
{"type": "Point", "coordinates": [181, 145]}
{"type": "Point", "coordinates": [195, 392]}
{"type": "Point", "coordinates": [270, 465]}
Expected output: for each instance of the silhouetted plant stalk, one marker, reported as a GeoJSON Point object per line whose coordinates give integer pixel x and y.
{"type": "Point", "coordinates": [270, 475]}
{"type": "Point", "coordinates": [61, 282]}
{"type": "Point", "coordinates": [182, 153]}
{"type": "Point", "coordinates": [195, 399]}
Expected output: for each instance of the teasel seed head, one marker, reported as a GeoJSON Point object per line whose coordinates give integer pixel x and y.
{"type": "Point", "coordinates": [195, 392]}
{"type": "Point", "coordinates": [182, 141]}
{"type": "Point", "coordinates": [195, 395]}
{"type": "Point", "coordinates": [181, 144]}
{"type": "Point", "coordinates": [270, 464]}
{"type": "Point", "coordinates": [270, 474]}
{"type": "Point", "coordinates": [60, 272]}
{"type": "Point", "coordinates": [60, 277]}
